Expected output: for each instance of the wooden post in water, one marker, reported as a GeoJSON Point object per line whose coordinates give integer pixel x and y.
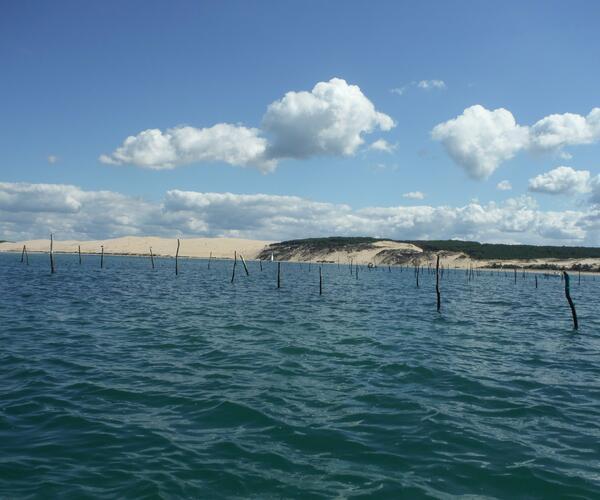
{"type": "Point", "coordinates": [356, 269]}
{"type": "Point", "coordinates": [177, 259]}
{"type": "Point", "coordinates": [79, 253]}
{"type": "Point", "coordinates": [437, 283]}
{"type": "Point", "coordinates": [23, 254]}
{"type": "Point", "coordinates": [51, 254]}
{"type": "Point", "coordinates": [245, 267]}
{"type": "Point", "coordinates": [260, 262]}
{"type": "Point", "coordinates": [209, 259]}
{"type": "Point", "coordinates": [320, 281]}
{"type": "Point", "coordinates": [278, 274]}
{"type": "Point", "coordinates": [579, 275]}
{"type": "Point", "coordinates": [151, 258]}
{"type": "Point", "coordinates": [515, 274]}
{"type": "Point", "coordinates": [101, 256]}
{"type": "Point", "coordinates": [568, 295]}
{"type": "Point", "coordinates": [26, 257]}
{"type": "Point", "coordinates": [417, 275]}
{"type": "Point", "coordinates": [536, 280]}
{"type": "Point", "coordinates": [234, 265]}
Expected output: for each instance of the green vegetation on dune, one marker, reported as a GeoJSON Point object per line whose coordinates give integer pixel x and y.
{"type": "Point", "coordinates": [505, 252]}
{"type": "Point", "coordinates": [475, 250]}
{"type": "Point", "coordinates": [332, 242]}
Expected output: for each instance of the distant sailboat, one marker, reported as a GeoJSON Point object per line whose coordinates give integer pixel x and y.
{"type": "Point", "coordinates": [272, 257]}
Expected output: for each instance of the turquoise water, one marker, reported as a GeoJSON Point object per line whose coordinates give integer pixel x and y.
{"type": "Point", "coordinates": [128, 382]}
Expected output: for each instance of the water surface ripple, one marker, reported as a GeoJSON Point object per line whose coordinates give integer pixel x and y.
{"type": "Point", "coordinates": [128, 382]}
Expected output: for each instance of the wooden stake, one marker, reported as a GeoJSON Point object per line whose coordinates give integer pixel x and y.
{"type": "Point", "coordinates": [234, 265]}
{"type": "Point", "coordinates": [151, 258]}
{"type": "Point", "coordinates": [209, 259]}
{"type": "Point", "coordinates": [177, 259]}
{"type": "Point", "coordinates": [279, 275]}
{"type": "Point", "coordinates": [568, 295]}
{"type": "Point", "coordinates": [515, 274]}
{"type": "Point", "coordinates": [437, 283]}
{"type": "Point", "coordinates": [260, 262]}
{"type": "Point", "coordinates": [51, 254]}
{"type": "Point", "coordinates": [23, 254]}
{"type": "Point", "coordinates": [245, 267]}
{"type": "Point", "coordinates": [101, 256]}
{"type": "Point", "coordinates": [26, 257]}
{"type": "Point", "coordinates": [536, 281]}
{"type": "Point", "coordinates": [320, 282]}
{"type": "Point", "coordinates": [79, 252]}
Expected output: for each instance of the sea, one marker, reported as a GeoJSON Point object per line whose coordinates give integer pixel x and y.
{"type": "Point", "coordinates": [132, 382]}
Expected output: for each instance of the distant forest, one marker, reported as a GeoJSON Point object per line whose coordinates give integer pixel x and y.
{"type": "Point", "coordinates": [473, 249]}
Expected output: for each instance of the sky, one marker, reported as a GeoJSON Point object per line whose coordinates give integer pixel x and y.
{"type": "Point", "coordinates": [278, 119]}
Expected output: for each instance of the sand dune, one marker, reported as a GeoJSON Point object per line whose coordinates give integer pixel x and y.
{"type": "Point", "coordinates": [136, 245]}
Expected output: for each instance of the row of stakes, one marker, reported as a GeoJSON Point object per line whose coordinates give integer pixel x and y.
{"type": "Point", "coordinates": [439, 272]}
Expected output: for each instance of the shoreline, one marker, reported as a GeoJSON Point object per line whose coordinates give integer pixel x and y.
{"type": "Point", "coordinates": [254, 250]}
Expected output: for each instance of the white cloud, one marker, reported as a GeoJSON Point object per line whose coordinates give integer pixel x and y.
{"type": "Point", "coordinates": [232, 144]}
{"type": "Point", "coordinates": [504, 186]}
{"type": "Point", "coordinates": [414, 195]}
{"type": "Point", "coordinates": [556, 131]}
{"type": "Point", "coordinates": [329, 120]}
{"type": "Point", "coordinates": [52, 159]}
{"type": "Point", "coordinates": [382, 145]}
{"type": "Point", "coordinates": [479, 139]}
{"type": "Point", "coordinates": [565, 155]}
{"type": "Point", "coordinates": [431, 84]}
{"type": "Point", "coordinates": [399, 90]}
{"type": "Point", "coordinates": [561, 180]}
{"type": "Point", "coordinates": [34, 210]}
{"type": "Point", "coordinates": [423, 84]}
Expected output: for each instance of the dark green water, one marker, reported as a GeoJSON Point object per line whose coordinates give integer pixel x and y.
{"type": "Point", "coordinates": [127, 382]}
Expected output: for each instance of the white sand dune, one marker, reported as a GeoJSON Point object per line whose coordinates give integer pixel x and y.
{"type": "Point", "coordinates": [136, 245]}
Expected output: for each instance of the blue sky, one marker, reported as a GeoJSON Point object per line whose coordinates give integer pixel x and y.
{"type": "Point", "coordinates": [78, 78]}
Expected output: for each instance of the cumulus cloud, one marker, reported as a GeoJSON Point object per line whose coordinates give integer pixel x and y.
{"type": "Point", "coordinates": [569, 129]}
{"type": "Point", "coordinates": [34, 210]}
{"type": "Point", "coordinates": [504, 186]}
{"type": "Point", "coordinates": [383, 146]}
{"type": "Point", "coordinates": [479, 139]}
{"type": "Point", "coordinates": [414, 195]}
{"type": "Point", "coordinates": [232, 144]}
{"type": "Point", "coordinates": [561, 180]}
{"type": "Point", "coordinates": [330, 120]}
